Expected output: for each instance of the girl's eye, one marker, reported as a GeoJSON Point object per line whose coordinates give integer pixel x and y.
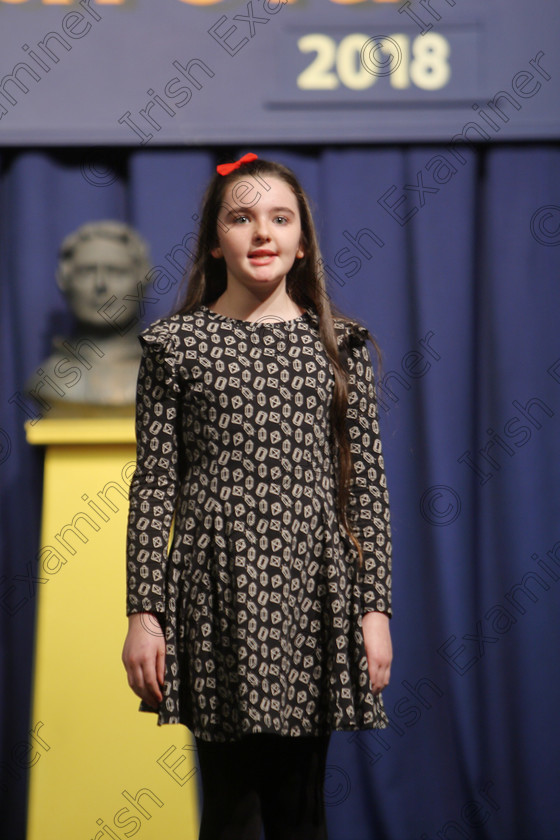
{"type": "Point", "coordinates": [239, 219]}
{"type": "Point", "coordinates": [281, 219]}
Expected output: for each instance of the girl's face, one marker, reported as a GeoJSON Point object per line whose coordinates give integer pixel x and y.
{"type": "Point", "coordinates": [259, 232]}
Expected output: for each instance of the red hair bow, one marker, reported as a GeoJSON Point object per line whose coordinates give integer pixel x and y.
{"type": "Point", "coordinates": [226, 168]}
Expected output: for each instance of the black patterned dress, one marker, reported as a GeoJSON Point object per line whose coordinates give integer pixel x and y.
{"type": "Point", "coordinates": [258, 595]}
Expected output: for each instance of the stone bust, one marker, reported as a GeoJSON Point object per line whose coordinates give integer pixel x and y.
{"type": "Point", "coordinates": [103, 271]}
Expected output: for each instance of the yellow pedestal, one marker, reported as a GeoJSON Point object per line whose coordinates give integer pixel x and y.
{"type": "Point", "coordinates": [99, 768]}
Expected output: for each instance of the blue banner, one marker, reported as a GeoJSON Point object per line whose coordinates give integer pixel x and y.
{"type": "Point", "coordinates": [135, 72]}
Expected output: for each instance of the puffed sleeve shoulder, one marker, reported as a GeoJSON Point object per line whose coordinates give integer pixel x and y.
{"type": "Point", "coordinates": [351, 334]}
{"type": "Point", "coordinates": [161, 343]}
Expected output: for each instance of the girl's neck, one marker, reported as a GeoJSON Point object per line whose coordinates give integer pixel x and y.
{"type": "Point", "coordinates": [277, 306]}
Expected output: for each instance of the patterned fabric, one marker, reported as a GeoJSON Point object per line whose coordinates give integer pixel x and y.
{"type": "Point", "coordinates": [259, 596]}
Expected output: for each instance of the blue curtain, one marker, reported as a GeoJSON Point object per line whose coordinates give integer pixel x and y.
{"type": "Point", "coordinates": [450, 255]}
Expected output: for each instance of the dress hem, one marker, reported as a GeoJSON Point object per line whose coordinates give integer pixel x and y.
{"type": "Point", "coordinates": [380, 722]}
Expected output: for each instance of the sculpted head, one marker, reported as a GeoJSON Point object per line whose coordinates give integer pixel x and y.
{"type": "Point", "coordinates": [100, 268]}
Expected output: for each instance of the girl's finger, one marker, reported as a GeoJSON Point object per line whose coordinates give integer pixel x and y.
{"type": "Point", "coordinates": [151, 685]}
{"type": "Point", "coordinates": [160, 665]}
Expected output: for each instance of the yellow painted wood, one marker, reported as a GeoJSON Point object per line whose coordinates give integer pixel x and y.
{"type": "Point", "coordinates": [96, 429]}
{"type": "Point", "coordinates": [99, 767]}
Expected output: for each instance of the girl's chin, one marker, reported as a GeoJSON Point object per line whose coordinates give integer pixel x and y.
{"type": "Point", "coordinates": [260, 276]}
{"type": "Point", "coordinates": [264, 276]}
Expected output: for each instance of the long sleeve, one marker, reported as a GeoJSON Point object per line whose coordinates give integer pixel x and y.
{"type": "Point", "coordinates": [368, 507]}
{"type": "Point", "coordinates": [155, 483]}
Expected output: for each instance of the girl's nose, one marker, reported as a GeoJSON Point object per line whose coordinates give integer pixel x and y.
{"type": "Point", "coordinates": [261, 231]}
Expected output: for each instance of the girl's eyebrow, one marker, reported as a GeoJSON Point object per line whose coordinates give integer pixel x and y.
{"type": "Point", "coordinates": [244, 210]}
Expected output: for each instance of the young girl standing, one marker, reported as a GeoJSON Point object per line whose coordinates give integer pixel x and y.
{"type": "Point", "coordinates": [266, 625]}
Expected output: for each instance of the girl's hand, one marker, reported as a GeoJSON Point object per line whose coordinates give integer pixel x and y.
{"type": "Point", "coordinates": [144, 657]}
{"type": "Point", "coordinates": [379, 650]}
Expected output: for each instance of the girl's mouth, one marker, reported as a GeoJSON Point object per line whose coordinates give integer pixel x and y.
{"type": "Point", "coordinates": [262, 257]}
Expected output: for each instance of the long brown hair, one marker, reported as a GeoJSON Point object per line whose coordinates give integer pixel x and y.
{"type": "Point", "coordinates": [305, 284]}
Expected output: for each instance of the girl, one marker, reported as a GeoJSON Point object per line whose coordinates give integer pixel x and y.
{"type": "Point", "coordinates": [266, 626]}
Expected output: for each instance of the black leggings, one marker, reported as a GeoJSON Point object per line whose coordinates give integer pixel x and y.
{"type": "Point", "coordinates": [263, 779]}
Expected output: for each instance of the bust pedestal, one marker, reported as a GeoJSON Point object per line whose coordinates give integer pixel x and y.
{"type": "Point", "coordinates": [98, 767]}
